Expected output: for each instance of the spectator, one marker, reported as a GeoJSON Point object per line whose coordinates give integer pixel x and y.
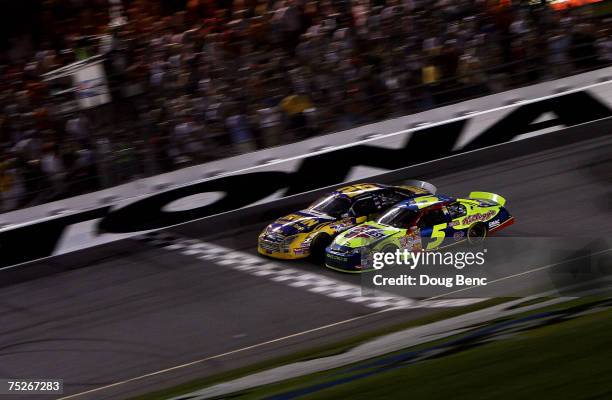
{"type": "Point", "coordinates": [198, 80]}
{"type": "Point", "coordinates": [77, 128]}
{"type": "Point", "coordinates": [240, 133]}
{"type": "Point", "coordinates": [270, 124]}
{"type": "Point", "coordinates": [12, 190]}
{"type": "Point", "coordinates": [52, 166]}
{"type": "Point", "coordinates": [558, 57]}
{"type": "Point", "coordinates": [604, 46]}
{"type": "Point", "coordinates": [294, 106]}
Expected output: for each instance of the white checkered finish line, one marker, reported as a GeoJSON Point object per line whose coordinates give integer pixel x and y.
{"type": "Point", "coordinates": [276, 272]}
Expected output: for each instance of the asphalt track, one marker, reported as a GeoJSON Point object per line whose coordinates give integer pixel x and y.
{"type": "Point", "coordinates": [132, 309]}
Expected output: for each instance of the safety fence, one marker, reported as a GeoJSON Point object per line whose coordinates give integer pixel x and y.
{"type": "Point", "coordinates": [146, 148]}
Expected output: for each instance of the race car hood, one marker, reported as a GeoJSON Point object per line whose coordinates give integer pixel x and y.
{"type": "Point", "coordinates": [299, 222]}
{"type": "Point", "coordinates": [365, 235]}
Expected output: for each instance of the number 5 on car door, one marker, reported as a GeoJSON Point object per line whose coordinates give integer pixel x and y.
{"type": "Point", "coordinates": [437, 236]}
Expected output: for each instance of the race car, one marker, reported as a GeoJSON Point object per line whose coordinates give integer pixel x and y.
{"type": "Point", "coordinates": [421, 223]}
{"type": "Point", "coordinates": [308, 232]}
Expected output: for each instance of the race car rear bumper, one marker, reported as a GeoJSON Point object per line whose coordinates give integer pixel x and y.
{"type": "Point", "coordinates": [504, 224]}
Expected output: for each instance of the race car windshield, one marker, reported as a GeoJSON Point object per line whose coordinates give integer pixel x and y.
{"type": "Point", "coordinates": [331, 205]}
{"type": "Point", "coordinates": [399, 217]}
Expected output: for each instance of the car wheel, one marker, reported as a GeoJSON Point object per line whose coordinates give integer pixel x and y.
{"type": "Point", "coordinates": [318, 245]}
{"type": "Point", "coordinates": [477, 233]}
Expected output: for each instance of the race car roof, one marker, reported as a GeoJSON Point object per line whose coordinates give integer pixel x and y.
{"type": "Point", "coordinates": [358, 189]}
{"type": "Point", "coordinates": [421, 202]}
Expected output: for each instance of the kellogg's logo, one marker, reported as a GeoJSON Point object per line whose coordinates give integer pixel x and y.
{"type": "Point", "coordinates": [470, 219]}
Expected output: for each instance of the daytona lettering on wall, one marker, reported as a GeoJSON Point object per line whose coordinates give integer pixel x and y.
{"type": "Point", "coordinates": [316, 171]}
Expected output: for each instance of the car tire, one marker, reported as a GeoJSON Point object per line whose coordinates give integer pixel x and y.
{"type": "Point", "coordinates": [477, 234]}
{"type": "Point", "coordinates": [318, 245]}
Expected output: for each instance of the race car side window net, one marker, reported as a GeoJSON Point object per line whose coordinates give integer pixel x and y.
{"type": "Point", "coordinates": [364, 206]}
{"type": "Point", "coordinates": [399, 217]}
{"type": "Point", "coordinates": [456, 210]}
{"type": "Point", "coordinates": [333, 205]}
{"type": "Point", "coordinates": [431, 218]}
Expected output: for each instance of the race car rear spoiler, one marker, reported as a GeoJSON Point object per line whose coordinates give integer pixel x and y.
{"type": "Point", "coordinates": [488, 196]}
{"type": "Point", "coordinates": [421, 184]}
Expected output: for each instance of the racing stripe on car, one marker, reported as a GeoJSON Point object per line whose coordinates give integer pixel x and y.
{"type": "Point", "coordinates": [309, 281]}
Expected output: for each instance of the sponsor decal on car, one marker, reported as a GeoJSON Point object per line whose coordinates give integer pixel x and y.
{"type": "Point", "coordinates": [366, 232]}
{"type": "Point", "coordinates": [470, 219]}
{"type": "Point", "coordinates": [459, 235]}
{"type": "Point", "coordinates": [411, 240]}
{"type": "Point", "coordinates": [494, 223]}
{"type": "Point", "coordinates": [335, 257]}
{"type": "Point", "coordinates": [342, 225]}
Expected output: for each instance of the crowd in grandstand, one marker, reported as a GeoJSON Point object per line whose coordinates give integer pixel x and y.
{"type": "Point", "coordinates": [196, 80]}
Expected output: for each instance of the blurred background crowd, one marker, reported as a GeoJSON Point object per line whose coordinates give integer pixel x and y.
{"type": "Point", "coordinates": [196, 80]}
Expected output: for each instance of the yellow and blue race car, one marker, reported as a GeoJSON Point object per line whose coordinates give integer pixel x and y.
{"type": "Point", "coordinates": [420, 223]}
{"type": "Point", "coordinates": [309, 231]}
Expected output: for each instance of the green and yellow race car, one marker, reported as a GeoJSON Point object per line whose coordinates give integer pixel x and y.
{"type": "Point", "coordinates": [310, 231]}
{"type": "Point", "coordinates": [421, 223]}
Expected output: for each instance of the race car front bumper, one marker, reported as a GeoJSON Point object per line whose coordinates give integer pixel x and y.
{"type": "Point", "coordinates": [280, 250]}
{"type": "Point", "coordinates": [343, 260]}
